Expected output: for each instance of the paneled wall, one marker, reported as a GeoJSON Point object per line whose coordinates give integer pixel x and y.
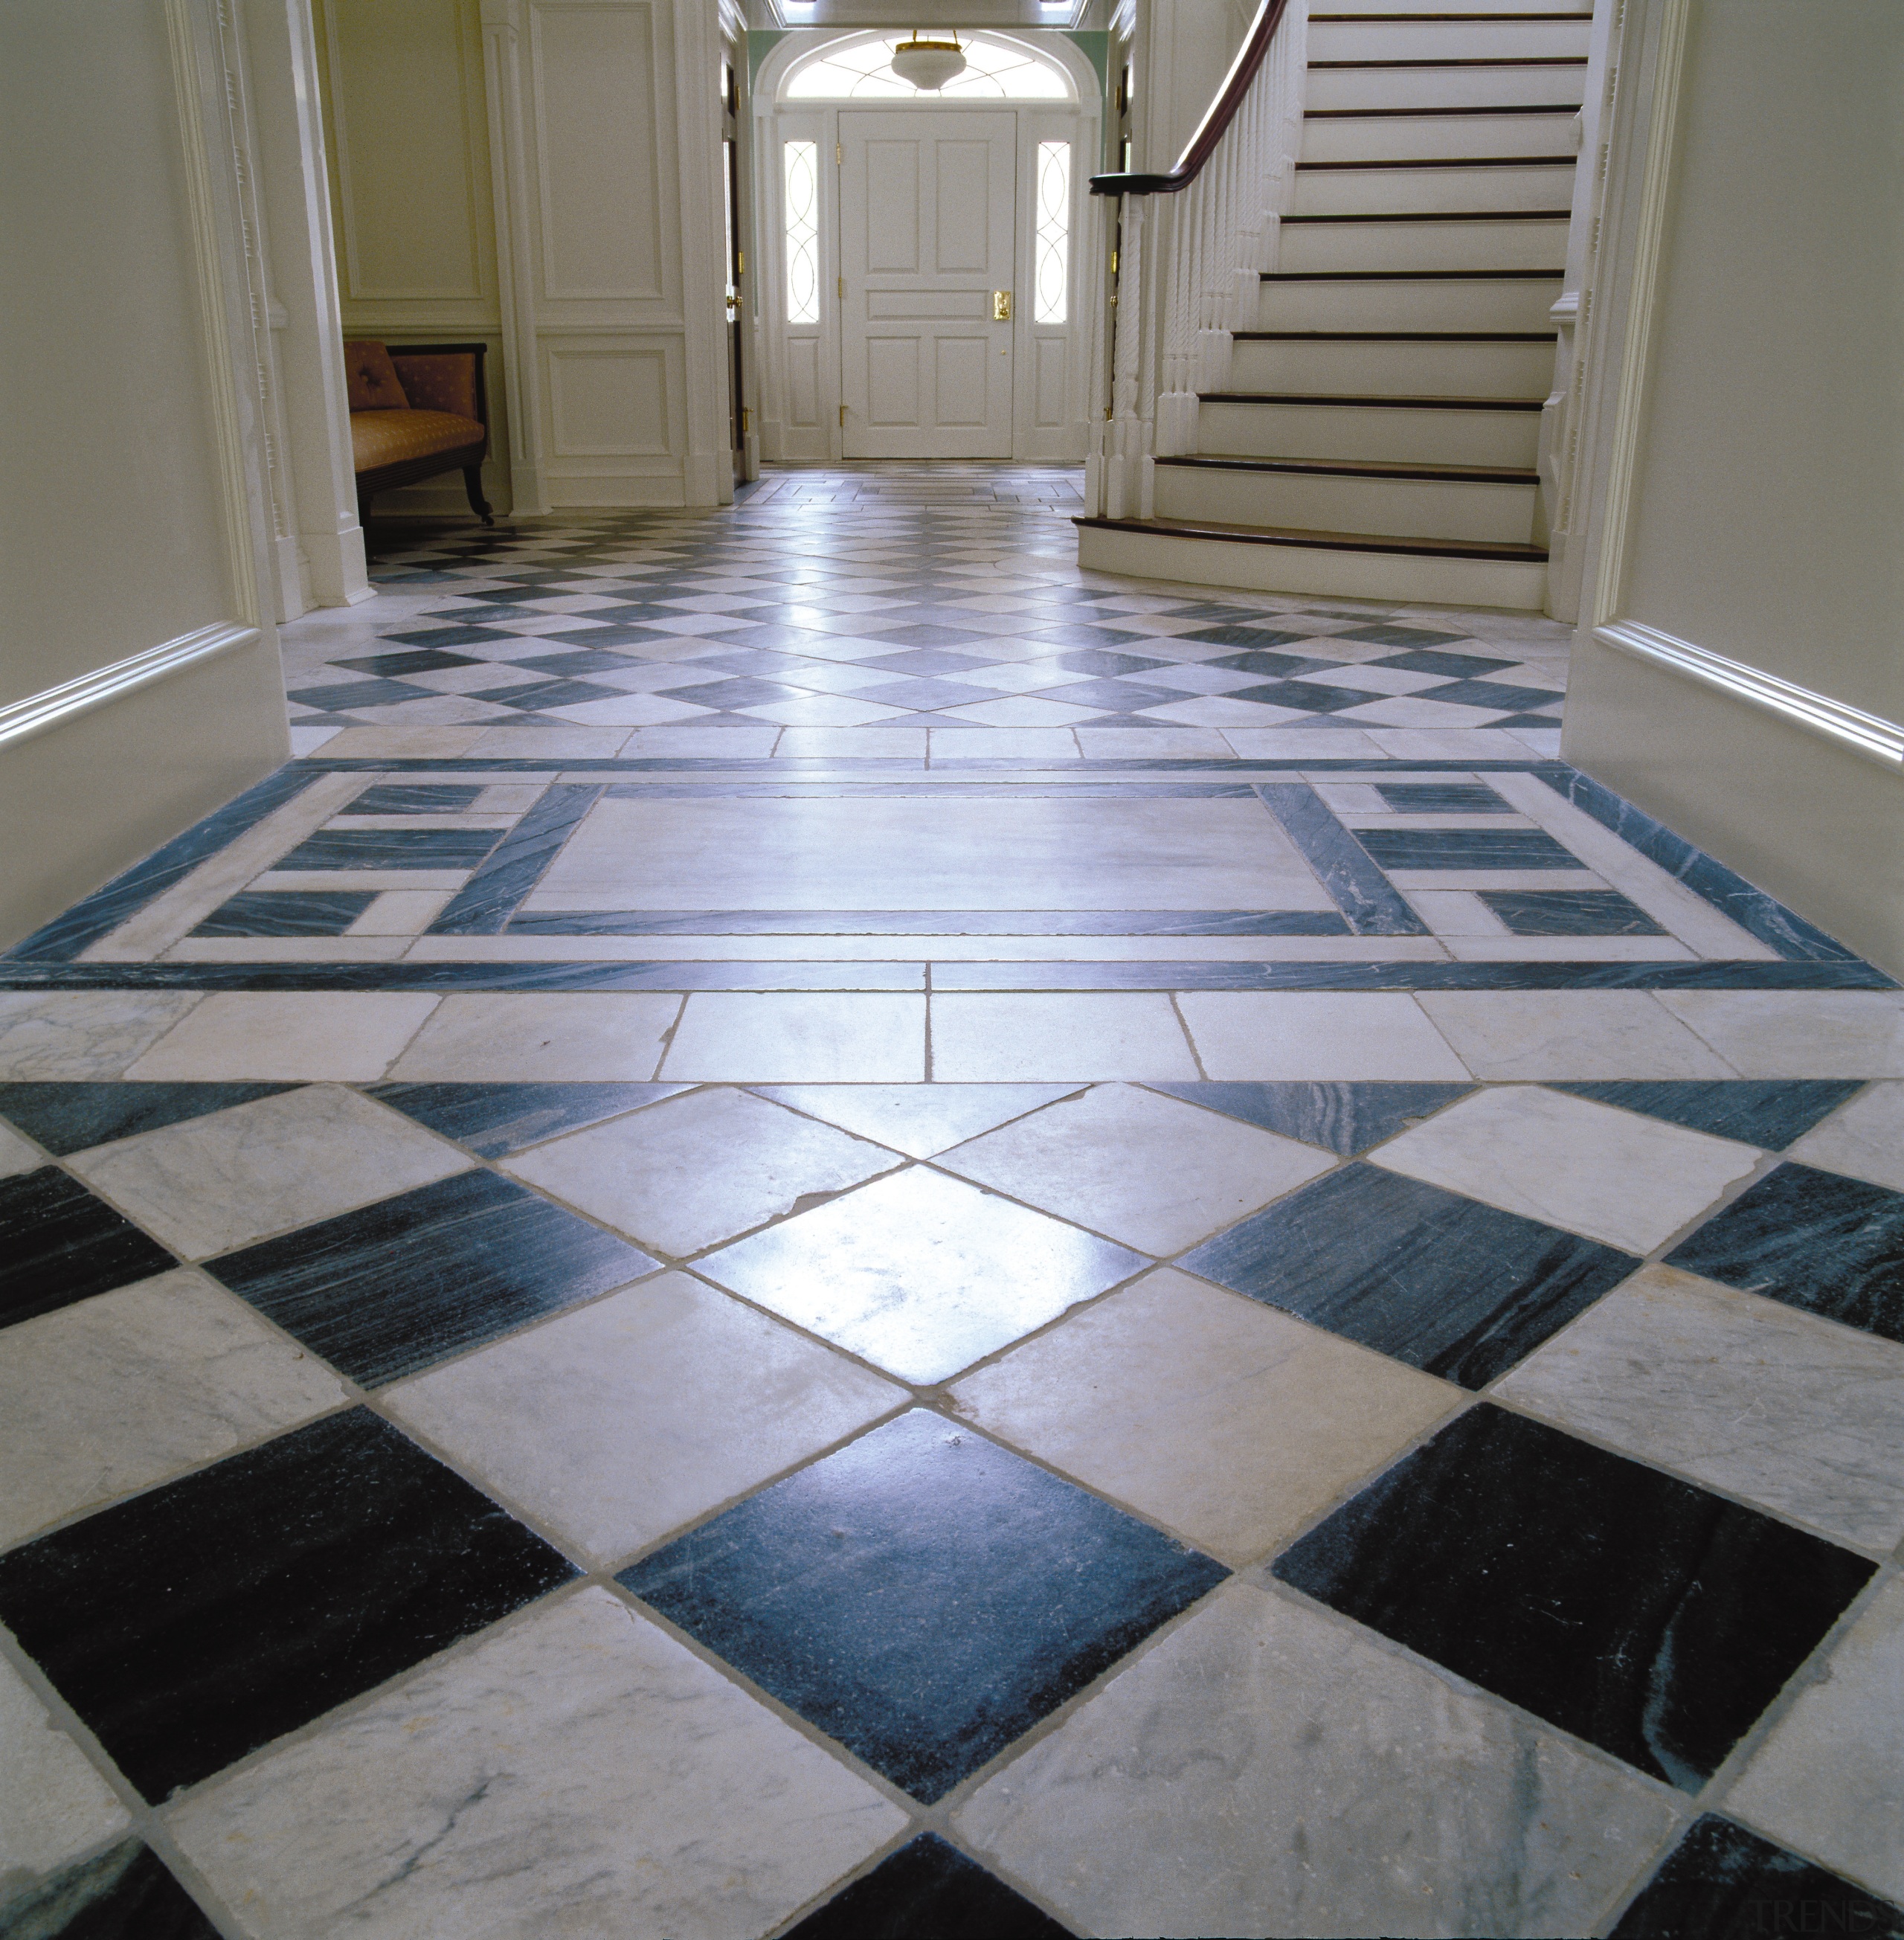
{"type": "Point", "coordinates": [141, 680]}
{"type": "Point", "coordinates": [406, 135]}
{"type": "Point", "coordinates": [1738, 671]}
{"type": "Point", "coordinates": [542, 175]}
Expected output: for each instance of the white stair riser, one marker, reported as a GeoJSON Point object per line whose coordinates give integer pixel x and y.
{"type": "Point", "coordinates": [1345, 575]}
{"type": "Point", "coordinates": [1366, 191]}
{"type": "Point", "coordinates": [1426, 436]}
{"type": "Point", "coordinates": [1398, 507]}
{"type": "Point", "coordinates": [1507, 303]}
{"type": "Point", "coordinates": [1395, 370]}
{"type": "Point", "coordinates": [1452, 244]}
{"type": "Point", "coordinates": [1447, 40]}
{"type": "Point", "coordinates": [1543, 86]}
{"type": "Point", "coordinates": [1379, 137]}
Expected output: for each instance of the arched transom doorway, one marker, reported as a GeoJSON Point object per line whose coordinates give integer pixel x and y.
{"type": "Point", "coordinates": [924, 253]}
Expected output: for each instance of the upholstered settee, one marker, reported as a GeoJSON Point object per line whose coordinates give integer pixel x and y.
{"type": "Point", "coordinates": [417, 410]}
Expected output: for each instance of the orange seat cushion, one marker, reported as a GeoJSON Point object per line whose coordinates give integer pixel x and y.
{"type": "Point", "coordinates": [374, 384]}
{"type": "Point", "coordinates": [381, 437]}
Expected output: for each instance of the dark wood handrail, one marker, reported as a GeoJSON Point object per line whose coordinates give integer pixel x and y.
{"type": "Point", "coordinates": [1215, 124]}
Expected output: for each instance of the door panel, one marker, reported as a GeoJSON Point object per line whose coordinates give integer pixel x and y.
{"type": "Point", "coordinates": [926, 235]}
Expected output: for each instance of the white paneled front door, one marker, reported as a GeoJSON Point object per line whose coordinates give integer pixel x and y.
{"type": "Point", "coordinates": [926, 203]}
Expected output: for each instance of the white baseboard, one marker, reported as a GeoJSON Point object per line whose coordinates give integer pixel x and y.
{"type": "Point", "coordinates": [55, 706]}
{"type": "Point", "coordinates": [1870, 735]}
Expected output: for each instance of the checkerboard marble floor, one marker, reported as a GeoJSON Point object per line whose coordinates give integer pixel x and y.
{"type": "Point", "coordinates": [942, 1326]}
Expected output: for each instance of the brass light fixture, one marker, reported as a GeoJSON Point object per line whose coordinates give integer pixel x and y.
{"type": "Point", "coordinates": [928, 64]}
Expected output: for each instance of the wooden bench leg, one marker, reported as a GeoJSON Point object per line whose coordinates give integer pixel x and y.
{"type": "Point", "coordinates": [473, 485]}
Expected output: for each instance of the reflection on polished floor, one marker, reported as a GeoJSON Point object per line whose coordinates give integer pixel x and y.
{"type": "Point", "coordinates": [825, 1229]}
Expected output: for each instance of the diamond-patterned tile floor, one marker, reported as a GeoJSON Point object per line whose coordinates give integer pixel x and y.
{"type": "Point", "coordinates": [826, 1231]}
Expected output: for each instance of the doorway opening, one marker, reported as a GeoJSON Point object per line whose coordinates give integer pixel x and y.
{"type": "Point", "coordinates": [924, 252]}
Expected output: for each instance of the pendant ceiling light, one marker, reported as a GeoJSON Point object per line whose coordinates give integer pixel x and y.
{"type": "Point", "coordinates": [928, 64]}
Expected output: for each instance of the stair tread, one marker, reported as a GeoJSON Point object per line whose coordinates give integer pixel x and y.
{"type": "Point", "coordinates": [1395, 336]}
{"type": "Point", "coordinates": [1505, 550]}
{"type": "Point", "coordinates": [1359, 399]}
{"type": "Point", "coordinates": [1448, 162]}
{"type": "Point", "coordinates": [1362, 467]}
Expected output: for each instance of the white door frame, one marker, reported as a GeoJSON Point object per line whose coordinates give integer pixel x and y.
{"type": "Point", "coordinates": [800, 373]}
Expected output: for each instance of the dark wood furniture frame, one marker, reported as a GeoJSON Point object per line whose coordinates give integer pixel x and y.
{"type": "Point", "coordinates": [466, 459]}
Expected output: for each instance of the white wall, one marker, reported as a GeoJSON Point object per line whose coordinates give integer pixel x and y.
{"type": "Point", "coordinates": [1748, 376]}
{"type": "Point", "coordinates": [139, 684]}
{"type": "Point", "coordinates": [542, 175]}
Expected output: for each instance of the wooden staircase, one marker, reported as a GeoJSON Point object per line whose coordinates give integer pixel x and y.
{"type": "Point", "coordinates": [1376, 437]}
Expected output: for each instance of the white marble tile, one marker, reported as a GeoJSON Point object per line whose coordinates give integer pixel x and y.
{"type": "Point", "coordinates": [725, 743]}
{"type": "Point", "coordinates": [917, 1119]}
{"type": "Point", "coordinates": [1864, 1137]}
{"type": "Point", "coordinates": [537, 744]}
{"type": "Point", "coordinates": [214, 1183]}
{"type": "Point", "coordinates": [795, 1037]}
{"type": "Point", "coordinates": [577, 1774]}
{"type": "Point", "coordinates": [82, 1034]}
{"type": "Point", "coordinates": [1310, 1035]}
{"type": "Point", "coordinates": [870, 743]}
{"type": "Point", "coordinates": [1829, 1781]}
{"type": "Point", "coordinates": [1313, 743]}
{"type": "Point", "coordinates": [1265, 1770]}
{"type": "Point", "coordinates": [979, 1038]}
{"type": "Point", "coordinates": [1448, 744]}
{"type": "Point", "coordinates": [1569, 1034]}
{"type": "Point", "coordinates": [627, 710]}
{"type": "Point", "coordinates": [117, 1392]}
{"type": "Point", "coordinates": [1004, 744]}
{"type": "Point", "coordinates": [616, 1425]}
{"type": "Point", "coordinates": [18, 1154]}
{"type": "Point", "coordinates": [1618, 1176]}
{"type": "Point", "coordinates": [313, 1034]}
{"type": "Point", "coordinates": [920, 1274]}
{"type": "Point", "coordinates": [699, 1168]}
{"type": "Point", "coordinates": [1233, 1424]}
{"type": "Point", "coordinates": [1149, 1171]}
{"type": "Point", "coordinates": [504, 1035]}
{"type": "Point", "coordinates": [1004, 852]}
{"type": "Point", "coordinates": [380, 744]}
{"type": "Point", "coordinates": [1798, 1033]}
{"type": "Point", "coordinates": [1789, 1411]}
{"type": "Point", "coordinates": [1157, 744]}
{"type": "Point", "coordinates": [54, 1806]}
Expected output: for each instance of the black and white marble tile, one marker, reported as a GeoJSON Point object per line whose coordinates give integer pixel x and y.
{"type": "Point", "coordinates": [184, 1646]}
{"type": "Point", "coordinates": [1637, 1611]}
{"type": "Point", "coordinates": [922, 1596]}
{"type": "Point", "coordinates": [1818, 1240]}
{"type": "Point", "coordinates": [1722, 1882]}
{"type": "Point", "coordinates": [62, 1243]}
{"type": "Point", "coordinates": [1448, 1285]}
{"type": "Point", "coordinates": [384, 1291]}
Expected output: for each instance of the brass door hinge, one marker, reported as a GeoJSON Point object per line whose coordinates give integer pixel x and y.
{"type": "Point", "coordinates": [746, 421]}
{"type": "Point", "coordinates": [839, 153]}
{"type": "Point", "coordinates": [740, 262]}
{"type": "Point", "coordinates": [843, 289]}
{"type": "Point", "coordinates": [842, 417]}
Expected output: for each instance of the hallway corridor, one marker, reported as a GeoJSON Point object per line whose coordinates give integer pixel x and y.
{"type": "Point", "coordinates": [824, 1228]}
